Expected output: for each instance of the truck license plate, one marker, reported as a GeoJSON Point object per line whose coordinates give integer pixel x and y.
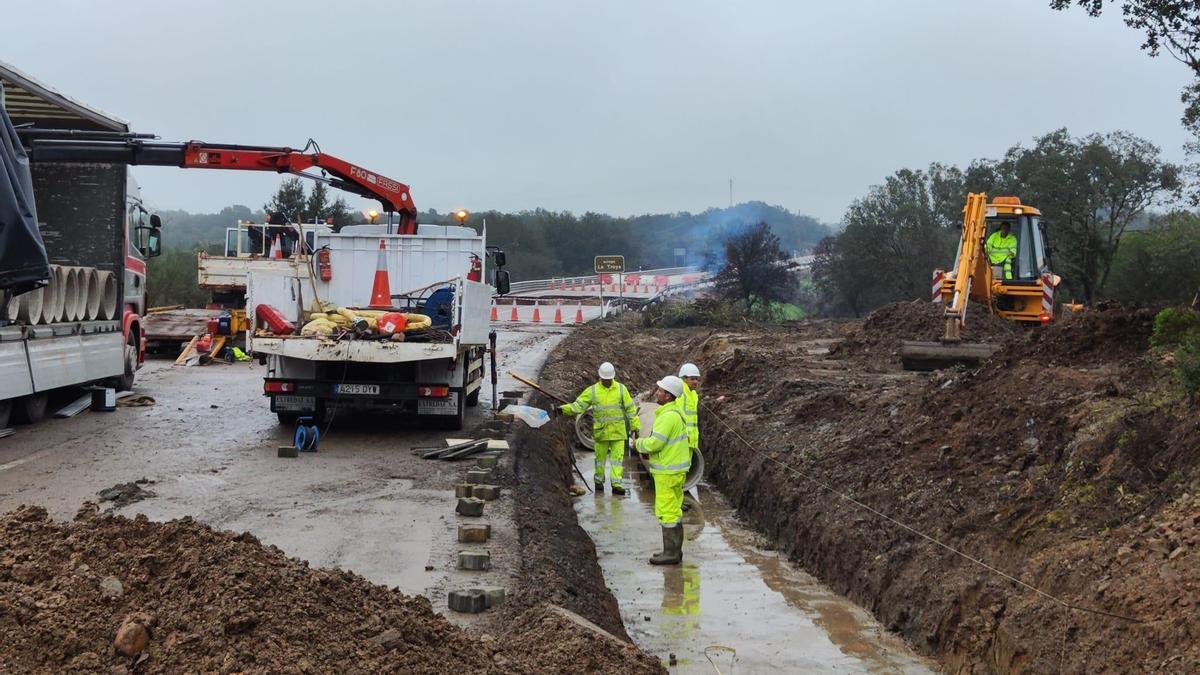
{"type": "Point", "coordinates": [437, 406]}
{"type": "Point", "coordinates": [361, 389]}
{"type": "Point", "coordinates": [300, 403]}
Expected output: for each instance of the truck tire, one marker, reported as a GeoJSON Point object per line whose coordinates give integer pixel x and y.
{"type": "Point", "coordinates": [31, 409]}
{"type": "Point", "coordinates": [125, 381]}
{"type": "Point", "coordinates": [5, 413]}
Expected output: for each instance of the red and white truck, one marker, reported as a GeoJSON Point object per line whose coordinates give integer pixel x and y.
{"type": "Point", "coordinates": [85, 325]}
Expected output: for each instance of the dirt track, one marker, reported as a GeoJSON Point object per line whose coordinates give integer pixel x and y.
{"type": "Point", "coordinates": [1062, 460]}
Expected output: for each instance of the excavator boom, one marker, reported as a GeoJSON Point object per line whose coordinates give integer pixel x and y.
{"type": "Point", "coordinates": [47, 145]}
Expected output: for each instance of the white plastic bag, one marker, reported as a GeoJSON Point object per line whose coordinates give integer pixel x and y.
{"type": "Point", "coordinates": [534, 417]}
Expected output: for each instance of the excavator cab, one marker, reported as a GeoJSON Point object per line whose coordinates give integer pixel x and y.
{"type": "Point", "coordinates": [1026, 296]}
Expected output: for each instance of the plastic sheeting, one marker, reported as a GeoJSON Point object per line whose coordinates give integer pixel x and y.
{"type": "Point", "coordinates": [23, 262]}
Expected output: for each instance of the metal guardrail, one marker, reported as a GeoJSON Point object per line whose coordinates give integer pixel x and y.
{"type": "Point", "coordinates": [518, 287]}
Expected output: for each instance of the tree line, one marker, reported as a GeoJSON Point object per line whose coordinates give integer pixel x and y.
{"type": "Point", "coordinates": [1092, 190]}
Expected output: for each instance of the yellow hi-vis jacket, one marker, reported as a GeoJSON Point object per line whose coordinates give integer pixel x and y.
{"type": "Point", "coordinates": [1001, 249]}
{"type": "Point", "coordinates": [612, 408]}
{"type": "Point", "coordinates": [667, 444]}
{"type": "Point", "coordinates": [689, 404]}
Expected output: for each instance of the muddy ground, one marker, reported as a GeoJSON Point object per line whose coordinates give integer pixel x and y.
{"type": "Point", "coordinates": [1066, 461]}
{"type": "Point", "coordinates": [363, 512]}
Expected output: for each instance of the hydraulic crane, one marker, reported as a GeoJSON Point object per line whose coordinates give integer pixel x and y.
{"type": "Point", "coordinates": [54, 145]}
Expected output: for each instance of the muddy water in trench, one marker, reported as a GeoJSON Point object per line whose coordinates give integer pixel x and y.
{"type": "Point", "coordinates": [728, 594]}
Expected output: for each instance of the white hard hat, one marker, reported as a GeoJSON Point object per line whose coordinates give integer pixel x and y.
{"type": "Point", "coordinates": [607, 372]}
{"type": "Point", "coordinates": [689, 370]}
{"type": "Point", "coordinates": [671, 384]}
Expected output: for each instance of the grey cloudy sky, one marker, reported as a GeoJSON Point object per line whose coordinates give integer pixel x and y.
{"type": "Point", "coordinates": [624, 107]}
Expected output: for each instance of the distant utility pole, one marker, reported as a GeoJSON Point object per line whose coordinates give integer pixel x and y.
{"type": "Point", "coordinates": [731, 193]}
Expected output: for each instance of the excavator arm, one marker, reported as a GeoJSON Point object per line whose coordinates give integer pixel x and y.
{"type": "Point", "coordinates": [46, 145]}
{"type": "Point", "coordinates": [968, 266]}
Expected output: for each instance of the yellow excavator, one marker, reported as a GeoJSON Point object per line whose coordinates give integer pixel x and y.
{"type": "Point", "coordinates": [1020, 288]}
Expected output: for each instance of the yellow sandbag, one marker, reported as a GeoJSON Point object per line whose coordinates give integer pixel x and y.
{"type": "Point", "coordinates": [417, 322]}
{"type": "Point", "coordinates": [318, 328]}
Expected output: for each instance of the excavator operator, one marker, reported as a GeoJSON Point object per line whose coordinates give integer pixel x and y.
{"type": "Point", "coordinates": [1001, 248]}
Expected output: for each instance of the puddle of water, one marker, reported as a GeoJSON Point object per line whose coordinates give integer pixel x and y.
{"type": "Point", "coordinates": [728, 594]}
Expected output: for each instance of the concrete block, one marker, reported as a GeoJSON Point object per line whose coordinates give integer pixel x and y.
{"type": "Point", "coordinates": [485, 492]}
{"type": "Point", "coordinates": [477, 476]}
{"type": "Point", "coordinates": [487, 462]}
{"type": "Point", "coordinates": [493, 595]}
{"type": "Point", "coordinates": [288, 451]}
{"type": "Point", "coordinates": [462, 489]}
{"type": "Point", "coordinates": [471, 533]}
{"type": "Point", "coordinates": [469, 602]}
{"type": "Point", "coordinates": [469, 506]}
{"type": "Point", "coordinates": [478, 561]}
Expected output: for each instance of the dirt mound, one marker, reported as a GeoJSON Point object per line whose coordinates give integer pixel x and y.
{"type": "Point", "coordinates": [565, 642]}
{"type": "Point", "coordinates": [1104, 333]}
{"type": "Point", "coordinates": [186, 598]}
{"type": "Point", "coordinates": [881, 333]}
{"type": "Point", "coordinates": [1067, 459]}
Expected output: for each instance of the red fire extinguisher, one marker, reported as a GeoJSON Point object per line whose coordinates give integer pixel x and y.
{"type": "Point", "coordinates": [323, 266]}
{"type": "Point", "coordinates": [476, 273]}
{"type": "Point", "coordinates": [275, 320]}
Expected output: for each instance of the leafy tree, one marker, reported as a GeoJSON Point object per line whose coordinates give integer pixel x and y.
{"type": "Point", "coordinates": [318, 208]}
{"type": "Point", "coordinates": [752, 269]}
{"type": "Point", "coordinates": [171, 279]}
{"type": "Point", "coordinates": [1160, 263]}
{"type": "Point", "coordinates": [1173, 26]}
{"type": "Point", "coordinates": [289, 199]}
{"type": "Point", "coordinates": [1089, 190]}
{"type": "Point", "coordinates": [893, 240]}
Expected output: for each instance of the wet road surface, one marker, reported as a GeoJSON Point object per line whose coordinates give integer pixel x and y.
{"type": "Point", "coordinates": [729, 593]}
{"type": "Point", "coordinates": [363, 503]}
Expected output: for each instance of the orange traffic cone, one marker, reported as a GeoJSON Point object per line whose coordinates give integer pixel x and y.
{"type": "Point", "coordinates": [513, 316]}
{"type": "Point", "coordinates": [277, 249]}
{"type": "Point", "coordinates": [537, 313]}
{"type": "Point", "coordinates": [381, 293]}
{"type": "Point", "coordinates": [579, 314]}
{"type": "Point", "coordinates": [558, 312]}
{"type": "Point", "coordinates": [495, 312]}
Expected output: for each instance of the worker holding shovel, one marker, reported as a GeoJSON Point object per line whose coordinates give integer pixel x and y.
{"type": "Point", "coordinates": [669, 458]}
{"type": "Point", "coordinates": [614, 418]}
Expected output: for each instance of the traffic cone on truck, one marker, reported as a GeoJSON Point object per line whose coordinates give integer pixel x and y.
{"type": "Point", "coordinates": [381, 292]}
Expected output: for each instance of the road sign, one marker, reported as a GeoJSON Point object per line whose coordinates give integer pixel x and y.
{"type": "Point", "coordinates": [610, 264]}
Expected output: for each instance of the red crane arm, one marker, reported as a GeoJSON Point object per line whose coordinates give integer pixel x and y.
{"type": "Point", "coordinates": [392, 194]}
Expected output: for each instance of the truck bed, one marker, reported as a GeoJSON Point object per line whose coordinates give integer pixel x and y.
{"type": "Point", "coordinates": [368, 351]}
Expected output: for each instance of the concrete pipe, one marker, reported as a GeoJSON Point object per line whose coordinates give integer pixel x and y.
{"type": "Point", "coordinates": [53, 298]}
{"type": "Point", "coordinates": [91, 293]}
{"type": "Point", "coordinates": [13, 310]}
{"type": "Point", "coordinates": [71, 302]}
{"type": "Point", "coordinates": [107, 282]}
{"type": "Point", "coordinates": [29, 306]}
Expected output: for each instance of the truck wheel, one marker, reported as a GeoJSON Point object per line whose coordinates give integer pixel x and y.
{"type": "Point", "coordinates": [5, 413]}
{"type": "Point", "coordinates": [125, 381]}
{"type": "Point", "coordinates": [31, 409]}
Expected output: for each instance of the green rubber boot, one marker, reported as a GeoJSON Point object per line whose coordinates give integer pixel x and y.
{"type": "Point", "coordinates": [672, 553]}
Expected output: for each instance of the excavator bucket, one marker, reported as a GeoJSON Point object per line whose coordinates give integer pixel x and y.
{"type": "Point", "coordinates": [926, 356]}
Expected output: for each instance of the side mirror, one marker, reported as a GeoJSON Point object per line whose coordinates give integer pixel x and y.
{"type": "Point", "coordinates": [501, 282]}
{"type": "Point", "coordinates": [498, 258]}
{"type": "Point", "coordinates": [155, 221]}
{"type": "Point", "coordinates": [150, 239]}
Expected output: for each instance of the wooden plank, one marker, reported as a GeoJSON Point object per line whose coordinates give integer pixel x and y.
{"type": "Point", "coordinates": [187, 350]}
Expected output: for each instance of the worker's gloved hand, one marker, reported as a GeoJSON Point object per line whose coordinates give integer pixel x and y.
{"type": "Point", "coordinates": [633, 435]}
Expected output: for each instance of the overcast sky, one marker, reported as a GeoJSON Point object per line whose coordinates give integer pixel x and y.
{"type": "Point", "coordinates": [619, 106]}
